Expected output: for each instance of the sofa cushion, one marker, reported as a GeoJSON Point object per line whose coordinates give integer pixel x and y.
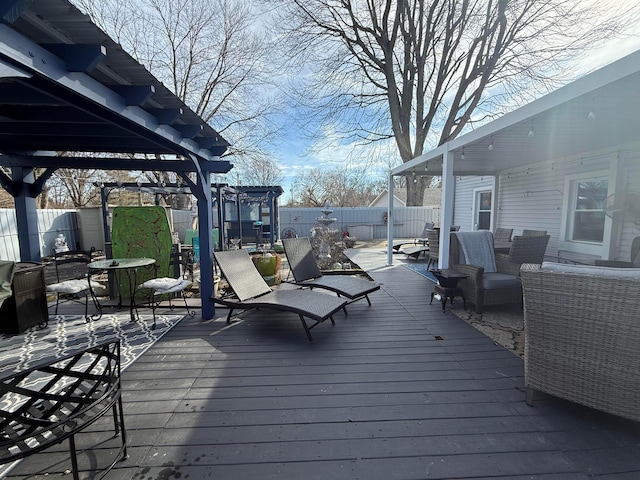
{"type": "Point", "coordinates": [591, 270]}
{"type": "Point", "coordinates": [496, 281]}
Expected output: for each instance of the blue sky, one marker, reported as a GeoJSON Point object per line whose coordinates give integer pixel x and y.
{"type": "Point", "coordinates": [294, 154]}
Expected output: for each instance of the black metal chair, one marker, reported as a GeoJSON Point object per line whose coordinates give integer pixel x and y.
{"type": "Point", "coordinates": [73, 282]}
{"type": "Point", "coordinates": [169, 287]}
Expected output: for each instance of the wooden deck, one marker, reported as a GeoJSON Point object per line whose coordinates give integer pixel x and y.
{"type": "Point", "coordinates": [396, 390]}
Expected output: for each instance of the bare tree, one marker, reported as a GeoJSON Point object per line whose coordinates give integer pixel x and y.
{"type": "Point", "coordinates": [212, 54]}
{"type": "Point", "coordinates": [421, 71]}
{"type": "Point", "coordinates": [80, 187]}
{"type": "Point", "coordinates": [256, 172]}
{"type": "Point", "coordinates": [341, 187]}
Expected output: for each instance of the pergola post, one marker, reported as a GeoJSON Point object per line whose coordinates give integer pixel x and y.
{"type": "Point", "coordinates": [205, 235]}
{"type": "Point", "coordinates": [26, 214]}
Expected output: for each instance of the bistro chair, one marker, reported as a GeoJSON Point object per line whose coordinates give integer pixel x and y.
{"type": "Point", "coordinates": [73, 282]}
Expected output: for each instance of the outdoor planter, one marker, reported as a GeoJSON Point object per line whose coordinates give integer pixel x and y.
{"type": "Point", "coordinates": [268, 264]}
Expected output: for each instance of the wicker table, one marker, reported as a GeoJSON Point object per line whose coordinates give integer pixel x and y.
{"type": "Point", "coordinates": [27, 306]}
{"type": "Point", "coordinates": [447, 286]}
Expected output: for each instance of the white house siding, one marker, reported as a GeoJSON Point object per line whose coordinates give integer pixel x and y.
{"type": "Point", "coordinates": [630, 226]}
{"type": "Point", "coordinates": [463, 206]}
{"type": "Point", "coordinates": [532, 198]}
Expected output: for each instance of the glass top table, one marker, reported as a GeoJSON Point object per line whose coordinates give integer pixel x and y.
{"type": "Point", "coordinates": [129, 266]}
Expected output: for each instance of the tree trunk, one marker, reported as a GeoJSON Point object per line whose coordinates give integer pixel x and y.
{"type": "Point", "coordinates": [415, 190]}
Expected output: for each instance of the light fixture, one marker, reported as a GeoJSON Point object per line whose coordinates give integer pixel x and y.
{"type": "Point", "coordinates": [462, 155]}
{"type": "Point", "coordinates": [591, 115]}
{"type": "Point", "coordinates": [491, 144]}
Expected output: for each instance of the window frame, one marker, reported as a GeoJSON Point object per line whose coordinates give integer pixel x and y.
{"type": "Point", "coordinates": [569, 209]}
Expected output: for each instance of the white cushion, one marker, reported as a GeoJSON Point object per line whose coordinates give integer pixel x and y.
{"type": "Point", "coordinates": [591, 270]}
{"type": "Point", "coordinates": [166, 284]}
{"type": "Point", "coordinates": [72, 286]}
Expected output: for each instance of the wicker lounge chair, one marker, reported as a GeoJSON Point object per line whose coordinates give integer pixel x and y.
{"type": "Point", "coordinates": [251, 291]}
{"type": "Point", "coordinates": [582, 336]}
{"type": "Point", "coordinates": [421, 240]}
{"type": "Point", "coordinates": [414, 251]}
{"type": "Point", "coordinates": [307, 274]}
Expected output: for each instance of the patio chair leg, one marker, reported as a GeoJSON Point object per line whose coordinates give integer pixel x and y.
{"type": "Point", "coordinates": [529, 396]}
{"type": "Point", "coordinates": [306, 328]}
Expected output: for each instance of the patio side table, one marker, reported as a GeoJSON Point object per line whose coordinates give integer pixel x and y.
{"type": "Point", "coordinates": [447, 286]}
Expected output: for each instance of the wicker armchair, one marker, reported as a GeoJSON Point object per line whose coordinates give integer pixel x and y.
{"type": "Point", "coordinates": [533, 233]}
{"type": "Point", "coordinates": [433, 239]}
{"type": "Point", "coordinates": [582, 335]}
{"type": "Point", "coordinates": [523, 250]}
{"type": "Point", "coordinates": [503, 235]}
{"type": "Point", "coordinates": [484, 288]}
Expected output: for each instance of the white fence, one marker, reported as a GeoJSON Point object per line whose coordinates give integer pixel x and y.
{"type": "Point", "coordinates": [51, 222]}
{"type": "Point", "coordinates": [363, 223]}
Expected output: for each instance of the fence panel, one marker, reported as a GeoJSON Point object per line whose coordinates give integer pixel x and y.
{"type": "Point", "coordinates": [372, 221]}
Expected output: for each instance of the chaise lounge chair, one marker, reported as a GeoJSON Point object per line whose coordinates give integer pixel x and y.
{"type": "Point", "coordinates": [422, 240]}
{"type": "Point", "coordinates": [251, 291]}
{"type": "Point", "coordinates": [307, 274]}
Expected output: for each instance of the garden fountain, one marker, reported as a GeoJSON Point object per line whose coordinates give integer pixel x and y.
{"type": "Point", "coordinates": [325, 241]}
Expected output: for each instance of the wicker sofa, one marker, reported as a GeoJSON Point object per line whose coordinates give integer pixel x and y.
{"type": "Point", "coordinates": [582, 335]}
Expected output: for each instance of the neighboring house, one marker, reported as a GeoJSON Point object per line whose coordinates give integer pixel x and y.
{"type": "Point", "coordinates": [567, 163]}
{"type": "Point", "coordinates": [432, 198]}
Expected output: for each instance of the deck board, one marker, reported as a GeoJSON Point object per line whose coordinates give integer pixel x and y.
{"type": "Point", "coordinates": [396, 390]}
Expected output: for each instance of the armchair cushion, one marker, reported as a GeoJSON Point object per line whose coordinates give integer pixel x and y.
{"type": "Point", "coordinates": [496, 280]}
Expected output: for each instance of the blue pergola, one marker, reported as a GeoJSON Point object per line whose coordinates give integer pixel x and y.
{"type": "Point", "coordinates": [70, 97]}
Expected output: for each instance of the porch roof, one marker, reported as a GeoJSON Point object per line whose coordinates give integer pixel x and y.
{"type": "Point", "coordinates": [597, 111]}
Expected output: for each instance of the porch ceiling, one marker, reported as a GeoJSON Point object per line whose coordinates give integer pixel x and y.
{"type": "Point", "coordinates": [598, 111]}
{"type": "Point", "coordinates": [66, 86]}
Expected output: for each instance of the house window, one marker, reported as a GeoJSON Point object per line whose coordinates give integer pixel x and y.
{"type": "Point", "coordinates": [585, 228]}
{"type": "Point", "coordinates": [587, 210]}
{"type": "Point", "coordinates": [482, 209]}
